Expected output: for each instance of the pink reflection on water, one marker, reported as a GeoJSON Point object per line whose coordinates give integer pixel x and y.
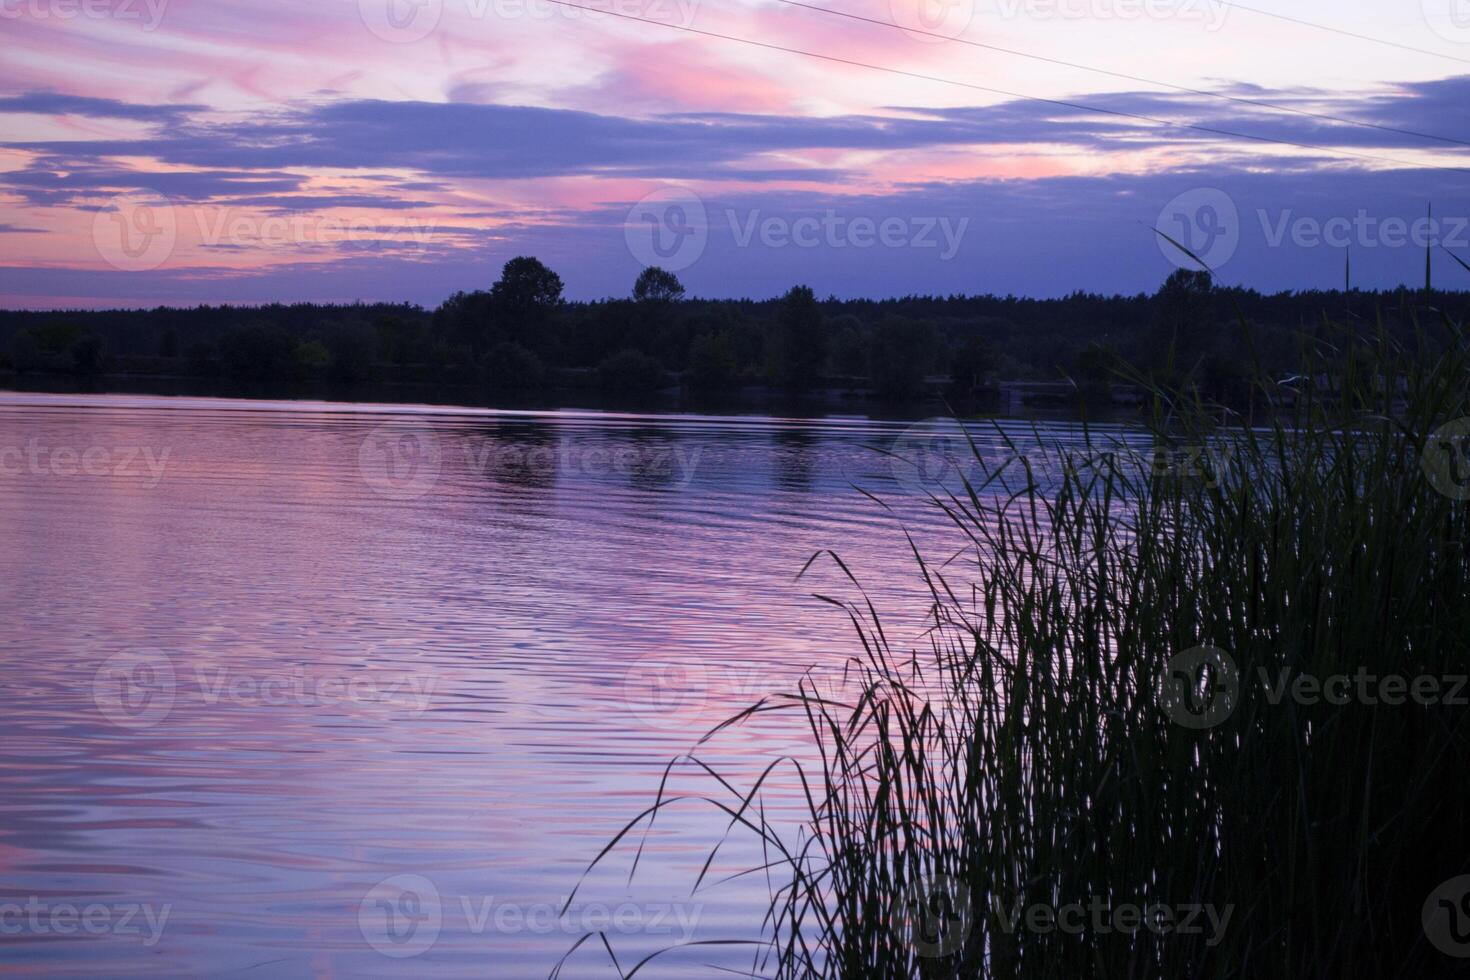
{"type": "Point", "coordinates": [254, 689]}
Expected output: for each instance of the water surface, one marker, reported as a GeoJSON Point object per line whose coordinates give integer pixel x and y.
{"type": "Point", "coordinates": [332, 690]}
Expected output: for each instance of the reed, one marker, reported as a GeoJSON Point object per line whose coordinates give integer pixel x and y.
{"type": "Point", "coordinates": [1055, 745]}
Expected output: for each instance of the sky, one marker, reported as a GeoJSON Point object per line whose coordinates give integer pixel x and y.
{"type": "Point", "coordinates": [246, 151]}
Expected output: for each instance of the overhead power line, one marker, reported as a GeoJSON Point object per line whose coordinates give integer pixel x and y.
{"type": "Point", "coordinates": [1345, 33]}
{"type": "Point", "coordinates": [1206, 93]}
{"type": "Point", "coordinates": [1061, 103]}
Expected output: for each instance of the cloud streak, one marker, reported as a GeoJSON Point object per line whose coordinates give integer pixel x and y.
{"type": "Point", "coordinates": [558, 181]}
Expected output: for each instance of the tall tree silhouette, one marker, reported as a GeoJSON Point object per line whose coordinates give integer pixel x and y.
{"type": "Point", "coordinates": [523, 300]}
{"type": "Point", "coordinates": [798, 343]}
{"type": "Point", "coordinates": [657, 285]}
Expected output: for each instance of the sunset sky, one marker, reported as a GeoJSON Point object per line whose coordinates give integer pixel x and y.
{"type": "Point", "coordinates": [243, 151]}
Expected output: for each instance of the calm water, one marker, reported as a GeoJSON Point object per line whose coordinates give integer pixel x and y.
{"type": "Point", "coordinates": [326, 690]}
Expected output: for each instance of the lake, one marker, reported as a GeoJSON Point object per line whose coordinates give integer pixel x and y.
{"type": "Point", "coordinates": [322, 690]}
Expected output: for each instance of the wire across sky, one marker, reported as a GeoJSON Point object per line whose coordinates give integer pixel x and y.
{"type": "Point", "coordinates": [1205, 93]}
{"type": "Point", "coordinates": [1021, 96]}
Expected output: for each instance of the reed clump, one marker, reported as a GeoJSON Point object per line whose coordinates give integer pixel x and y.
{"type": "Point", "coordinates": [1107, 758]}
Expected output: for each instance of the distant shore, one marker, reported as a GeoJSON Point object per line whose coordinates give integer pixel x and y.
{"type": "Point", "coordinates": [1004, 398]}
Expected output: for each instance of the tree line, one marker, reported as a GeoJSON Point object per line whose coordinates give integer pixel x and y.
{"type": "Point", "coordinates": [522, 334]}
